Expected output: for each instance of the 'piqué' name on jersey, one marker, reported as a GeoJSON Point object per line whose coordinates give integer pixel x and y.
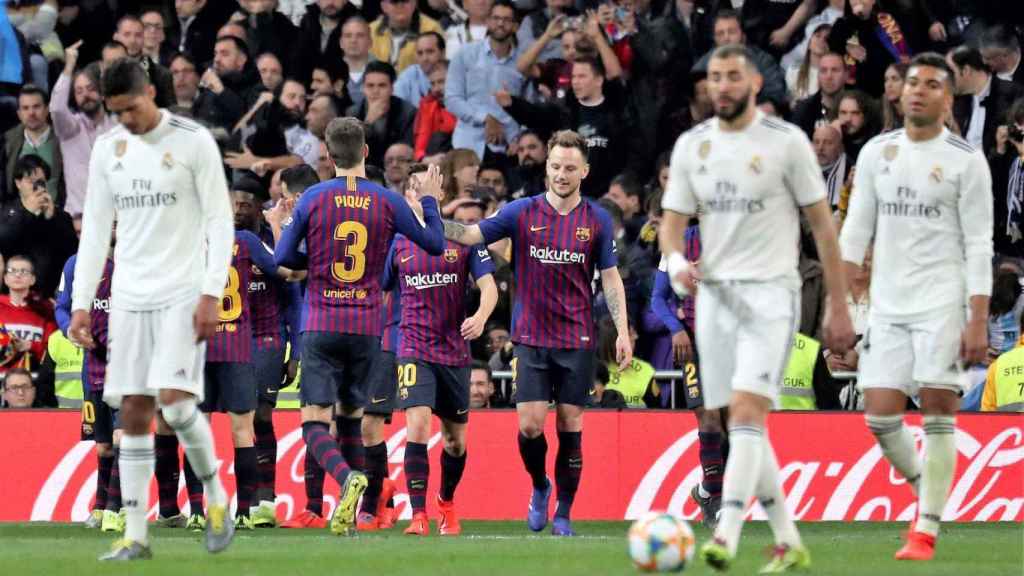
{"type": "Point", "coordinates": [906, 206]}
{"type": "Point", "coordinates": [142, 196]}
{"type": "Point", "coordinates": [350, 201]}
{"type": "Point", "coordinates": [548, 255]}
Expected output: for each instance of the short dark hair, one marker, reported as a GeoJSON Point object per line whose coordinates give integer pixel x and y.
{"type": "Point", "coordinates": [299, 178]}
{"type": "Point", "coordinates": [735, 51]}
{"type": "Point", "coordinates": [23, 258]}
{"type": "Point", "coordinates": [378, 67]}
{"type": "Point", "coordinates": [337, 106]}
{"type": "Point", "coordinates": [128, 18]}
{"type": "Point", "coordinates": [345, 140]}
{"type": "Point", "coordinates": [613, 210]}
{"type": "Point", "coordinates": [240, 44]}
{"type": "Point", "coordinates": [28, 164]}
{"type": "Point", "coordinates": [999, 36]}
{"type": "Point", "coordinates": [335, 68]}
{"type": "Point", "coordinates": [628, 183]}
{"type": "Point", "coordinates": [183, 56]}
{"type": "Point", "coordinates": [503, 4]}
{"type": "Point", "coordinates": [968, 56]}
{"type": "Point", "coordinates": [594, 63]}
{"type": "Point", "coordinates": [250, 185]}
{"type": "Point", "coordinates": [935, 60]}
{"type": "Point", "coordinates": [113, 45]}
{"type": "Point", "coordinates": [32, 90]}
{"type": "Point", "coordinates": [568, 139]}
{"type": "Point", "coordinates": [481, 365]}
{"type": "Point", "coordinates": [1016, 112]}
{"type": "Point", "coordinates": [727, 14]}
{"type": "Point", "coordinates": [18, 372]}
{"type": "Point", "coordinates": [124, 76]}
{"type": "Point", "coordinates": [436, 36]}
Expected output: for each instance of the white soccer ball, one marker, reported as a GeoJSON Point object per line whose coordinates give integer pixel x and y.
{"type": "Point", "coordinates": [660, 542]}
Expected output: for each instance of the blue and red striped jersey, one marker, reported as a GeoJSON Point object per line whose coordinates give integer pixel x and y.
{"type": "Point", "coordinates": [94, 365]}
{"type": "Point", "coordinates": [348, 224]}
{"type": "Point", "coordinates": [691, 251]}
{"type": "Point", "coordinates": [232, 341]}
{"type": "Point", "coordinates": [433, 292]}
{"type": "Point", "coordinates": [554, 257]}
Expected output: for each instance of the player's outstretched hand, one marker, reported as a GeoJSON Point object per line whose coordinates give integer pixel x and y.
{"type": "Point", "coordinates": [623, 351]}
{"type": "Point", "coordinates": [205, 318]}
{"type": "Point", "coordinates": [433, 183]}
{"type": "Point", "coordinates": [838, 328]}
{"type": "Point", "coordinates": [974, 342]}
{"type": "Point", "coordinates": [682, 348]}
{"type": "Point", "coordinates": [80, 330]}
{"type": "Point", "coordinates": [472, 328]}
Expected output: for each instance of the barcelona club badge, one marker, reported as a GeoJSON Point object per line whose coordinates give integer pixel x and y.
{"type": "Point", "coordinates": [451, 255]}
{"type": "Point", "coordinates": [583, 234]}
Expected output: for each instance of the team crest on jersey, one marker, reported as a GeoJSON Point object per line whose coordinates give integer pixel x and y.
{"type": "Point", "coordinates": [704, 150]}
{"type": "Point", "coordinates": [890, 152]}
{"type": "Point", "coordinates": [120, 148]}
{"type": "Point", "coordinates": [583, 234]}
{"type": "Point", "coordinates": [168, 161]}
{"type": "Point", "coordinates": [936, 175]}
{"type": "Point", "coordinates": [451, 255]}
{"type": "Point", "coordinates": [755, 164]}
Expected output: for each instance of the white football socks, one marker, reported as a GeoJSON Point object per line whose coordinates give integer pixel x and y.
{"type": "Point", "coordinates": [897, 445]}
{"type": "Point", "coordinates": [939, 465]}
{"type": "Point", "coordinates": [137, 462]}
{"type": "Point", "coordinates": [773, 500]}
{"type": "Point", "coordinates": [741, 475]}
{"type": "Point", "coordinates": [196, 438]}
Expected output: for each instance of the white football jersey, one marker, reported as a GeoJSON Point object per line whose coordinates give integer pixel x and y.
{"type": "Point", "coordinates": [175, 229]}
{"type": "Point", "coordinates": [750, 185]}
{"type": "Point", "coordinates": [928, 207]}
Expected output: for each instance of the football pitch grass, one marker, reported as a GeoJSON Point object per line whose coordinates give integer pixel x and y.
{"type": "Point", "coordinates": [496, 548]}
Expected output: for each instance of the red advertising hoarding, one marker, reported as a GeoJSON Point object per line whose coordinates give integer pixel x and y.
{"type": "Point", "coordinates": [633, 462]}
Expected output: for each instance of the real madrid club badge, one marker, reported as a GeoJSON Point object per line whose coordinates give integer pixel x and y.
{"type": "Point", "coordinates": [936, 175]}
{"type": "Point", "coordinates": [168, 161]}
{"type": "Point", "coordinates": [704, 150]}
{"type": "Point", "coordinates": [120, 148]}
{"type": "Point", "coordinates": [755, 164]}
{"type": "Point", "coordinates": [890, 152]}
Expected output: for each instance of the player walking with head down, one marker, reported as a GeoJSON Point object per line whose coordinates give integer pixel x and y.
{"type": "Point", "coordinates": [559, 239]}
{"type": "Point", "coordinates": [156, 173]}
{"type": "Point", "coordinates": [347, 224]}
{"type": "Point", "coordinates": [924, 195]}
{"type": "Point", "coordinates": [750, 173]}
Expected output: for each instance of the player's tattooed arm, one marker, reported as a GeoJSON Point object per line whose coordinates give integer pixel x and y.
{"type": "Point", "coordinates": [466, 235]}
{"type": "Point", "coordinates": [615, 296]}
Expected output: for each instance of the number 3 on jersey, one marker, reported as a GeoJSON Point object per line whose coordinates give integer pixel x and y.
{"type": "Point", "coordinates": [231, 302]}
{"type": "Point", "coordinates": [352, 266]}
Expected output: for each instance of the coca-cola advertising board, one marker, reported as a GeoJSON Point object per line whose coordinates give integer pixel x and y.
{"type": "Point", "coordinates": [633, 462]}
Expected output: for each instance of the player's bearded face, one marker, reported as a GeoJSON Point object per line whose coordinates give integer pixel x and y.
{"type": "Point", "coordinates": [727, 106]}
{"type": "Point", "coordinates": [566, 168]}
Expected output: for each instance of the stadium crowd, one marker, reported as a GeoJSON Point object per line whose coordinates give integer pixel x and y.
{"type": "Point", "coordinates": [478, 86]}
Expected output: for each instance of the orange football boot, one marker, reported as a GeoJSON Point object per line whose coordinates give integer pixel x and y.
{"type": "Point", "coordinates": [420, 525]}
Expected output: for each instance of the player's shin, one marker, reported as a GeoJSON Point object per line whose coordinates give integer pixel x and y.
{"type": "Point", "coordinates": [897, 444]}
{"type": "Point", "coordinates": [196, 438]}
{"type": "Point", "coordinates": [137, 462]}
{"type": "Point", "coordinates": [266, 459]}
{"type": "Point", "coordinates": [773, 500]}
{"type": "Point", "coordinates": [939, 466]}
{"type": "Point", "coordinates": [168, 469]}
{"type": "Point", "coordinates": [568, 467]}
{"type": "Point", "coordinates": [741, 475]}
{"type": "Point", "coordinates": [350, 441]}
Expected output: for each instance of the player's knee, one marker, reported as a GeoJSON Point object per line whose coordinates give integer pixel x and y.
{"type": "Point", "coordinates": [162, 427]}
{"type": "Point", "coordinates": [709, 421]}
{"type": "Point", "coordinates": [180, 414]}
{"type": "Point", "coordinates": [136, 414]}
{"type": "Point", "coordinates": [264, 412]}
{"type": "Point", "coordinates": [531, 429]}
{"type": "Point", "coordinates": [104, 450]}
{"type": "Point", "coordinates": [883, 425]}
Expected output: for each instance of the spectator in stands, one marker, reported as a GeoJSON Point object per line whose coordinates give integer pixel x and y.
{"type": "Point", "coordinates": [19, 391]}
{"type": "Point", "coordinates": [355, 46]}
{"type": "Point", "coordinates": [276, 137]}
{"type": "Point", "coordinates": [186, 90]}
{"type": "Point", "coordinates": [34, 136]}
{"type": "Point", "coordinates": [1000, 50]}
{"type": "Point", "coordinates": [481, 386]}
{"type": "Point", "coordinates": [232, 75]}
{"type": "Point", "coordinates": [858, 119]}
{"type": "Point", "coordinates": [728, 31]}
{"type": "Point", "coordinates": [331, 78]}
{"type": "Point", "coordinates": [982, 98]}
{"type": "Point", "coordinates": [267, 29]}
{"type": "Point", "coordinates": [777, 26]}
{"type": "Point", "coordinates": [112, 51]}
{"type": "Point", "coordinates": [154, 36]}
{"type": "Point", "coordinates": [1002, 391]}
{"type": "Point", "coordinates": [872, 38]}
{"type": "Point", "coordinates": [830, 13]}
{"type": "Point", "coordinates": [77, 127]}
{"type": "Point", "coordinates": [414, 82]}
{"type": "Point", "coordinates": [822, 106]}
{"type": "Point", "coordinates": [892, 108]}
{"type": "Point", "coordinates": [196, 28]}
{"type": "Point", "coordinates": [325, 164]}
{"type": "Point", "coordinates": [271, 72]}
{"type": "Point", "coordinates": [31, 224]}
{"type": "Point", "coordinates": [595, 109]}
{"type": "Point", "coordinates": [129, 32]}
{"type": "Point", "coordinates": [587, 39]}
{"type": "Point", "coordinates": [459, 169]}
{"type": "Point", "coordinates": [602, 396]}
{"type": "Point", "coordinates": [529, 175]}
{"type": "Point", "coordinates": [828, 147]}
{"type": "Point", "coordinates": [472, 28]}
{"type": "Point", "coordinates": [26, 316]}
{"type": "Point", "coordinates": [432, 117]}
{"type": "Point", "coordinates": [1009, 233]}
{"type": "Point", "coordinates": [388, 119]}
{"type": "Point", "coordinates": [636, 383]}
{"type": "Point", "coordinates": [319, 37]}
{"type": "Point", "coordinates": [499, 347]}
{"type": "Point", "coordinates": [627, 194]}
{"type": "Point", "coordinates": [807, 383]}
{"type": "Point", "coordinates": [1005, 308]}
{"type": "Point", "coordinates": [397, 160]}
{"type": "Point", "coordinates": [36, 22]}
{"type": "Point", "coordinates": [493, 177]}
{"type": "Point", "coordinates": [479, 71]}
{"type": "Point", "coordinates": [322, 109]}
{"type": "Point", "coordinates": [394, 33]}
{"type": "Point", "coordinates": [802, 79]}
{"type": "Point", "coordinates": [534, 25]}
